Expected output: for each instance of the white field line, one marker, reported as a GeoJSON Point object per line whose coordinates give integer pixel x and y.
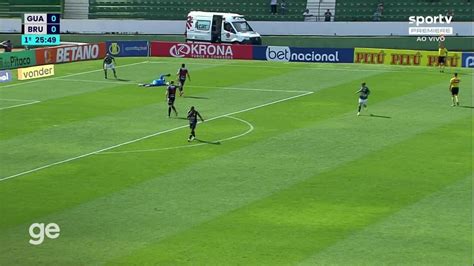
{"type": "Point", "coordinates": [148, 136]}
{"type": "Point", "coordinates": [16, 100]}
{"type": "Point", "coordinates": [329, 67]}
{"type": "Point", "coordinates": [244, 89]}
{"type": "Point", "coordinates": [251, 128]}
{"type": "Point", "coordinates": [190, 86]}
{"type": "Point", "coordinates": [97, 81]}
{"type": "Point", "coordinates": [71, 75]}
{"type": "Point", "coordinates": [18, 105]}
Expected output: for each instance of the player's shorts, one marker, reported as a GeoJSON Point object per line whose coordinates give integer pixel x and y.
{"type": "Point", "coordinates": [192, 125]}
{"type": "Point", "coordinates": [363, 101]}
{"type": "Point", "coordinates": [109, 66]}
{"type": "Point", "coordinates": [171, 100]}
{"type": "Point", "coordinates": [454, 91]}
{"type": "Point", "coordinates": [182, 81]}
{"type": "Point", "coordinates": [441, 59]}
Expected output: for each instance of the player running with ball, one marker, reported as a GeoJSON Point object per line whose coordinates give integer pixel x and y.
{"type": "Point", "coordinates": [109, 63]}
{"type": "Point", "coordinates": [363, 97]}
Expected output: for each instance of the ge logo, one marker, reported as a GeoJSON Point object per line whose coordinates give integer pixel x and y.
{"type": "Point", "coordinates": [39, 230]}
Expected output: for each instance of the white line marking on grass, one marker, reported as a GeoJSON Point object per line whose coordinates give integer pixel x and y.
{"type": "Point", "coordinates": [16, 100]}
{"type": "Point", "coordinates": [190, 86]}
{"type": "Point", "coordinates": [243, 89]}
{"type": "Point", "coordinates": [251, 128]}
{"type": "Point", "coordinates": [97, 81]}
{"type": "Point", "coordinates": [149, 136]}
{"type": "Point", "coordinates": [18, 105]}
{"type": "Point", "coordinates": [71, 75]}
{"type": "Point", "coordinates": [326, 67]}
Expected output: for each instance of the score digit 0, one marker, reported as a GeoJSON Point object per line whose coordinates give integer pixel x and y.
{"type": "Point", "coordinates": [53, 29]}
{"type": "Point", "coordinates": [53, 18]}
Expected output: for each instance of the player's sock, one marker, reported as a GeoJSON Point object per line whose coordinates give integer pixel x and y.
{"type": "Point", "coordinates": [175, 112]}
{"type": "Point", "coordinates": [115, 73]}
{"type": "Point", "coordinates": [169, 111]}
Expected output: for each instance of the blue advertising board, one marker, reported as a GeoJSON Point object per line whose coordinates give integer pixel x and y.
{"type": "Point", "coordinates": [468, 60]}
{"type": "Point", "coordinates": [127, 48]}
{"type": "Point", "coordinates": [295, 54]}
{"type": "Point", "coordinates": [5, 76]}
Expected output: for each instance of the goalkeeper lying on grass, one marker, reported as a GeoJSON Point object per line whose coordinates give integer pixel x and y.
{"type": "Point", "coordinates": [157, 82]}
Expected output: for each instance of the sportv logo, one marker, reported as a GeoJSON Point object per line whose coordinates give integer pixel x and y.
{"type": "Point", "coordinates": [201, 51]}
{"type": "Point", "coordinates": [284, 54]}
{"type": "Point", "coordinates": [5, 76]}
{"type": "Point", "coordinates": [421, 21]}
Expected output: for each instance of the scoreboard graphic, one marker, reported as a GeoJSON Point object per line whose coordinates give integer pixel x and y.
{"type": "Point", "coordinates": [40, 29]}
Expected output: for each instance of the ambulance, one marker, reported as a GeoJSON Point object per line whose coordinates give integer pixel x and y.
{"type": "Point", "coordinates": [220, 28]}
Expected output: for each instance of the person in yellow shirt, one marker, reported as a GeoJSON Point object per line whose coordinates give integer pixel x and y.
{"type": "Point", "coordinates": [454, 89]}
{"type": "Point", "coordinates": [442, 54]}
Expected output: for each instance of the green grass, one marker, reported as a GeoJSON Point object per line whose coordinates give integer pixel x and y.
{"type": "Point", "coordinates": [297, 177]}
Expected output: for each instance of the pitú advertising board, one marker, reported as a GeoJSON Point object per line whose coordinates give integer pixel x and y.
{"type": "Point", "coordinates": [397, 57]}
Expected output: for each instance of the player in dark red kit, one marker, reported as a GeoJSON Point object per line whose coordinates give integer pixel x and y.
{"type": "Point", "coordinates": [183, 73]}
{"type": "Point", "coordinates": [170, 97]}
{"type": "Point", "coordinates": [193, 115]}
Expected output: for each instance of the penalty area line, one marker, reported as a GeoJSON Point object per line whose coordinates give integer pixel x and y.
{"type": "Point", "coordinates": [19, 105]}
{"type": "Point", "coordinates": [70, 75]}
{"type": "Point", "coordinates": [148, 136]}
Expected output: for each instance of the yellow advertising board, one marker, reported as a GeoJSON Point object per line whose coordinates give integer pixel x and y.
{"type": "Point", "coordinates": [404, 57]}
{"type": "Point", "coordinates": [35, 72]}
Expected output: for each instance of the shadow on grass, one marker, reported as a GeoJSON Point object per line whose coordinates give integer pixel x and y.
{"type": "Point", "coordinates": [466, 106]}
{"type": "Point", "coordinates": [196, 97]}
{"type": "Point", "coordinates": [377, 116]}
{"type": "Point", "coordinates": [208, 142]}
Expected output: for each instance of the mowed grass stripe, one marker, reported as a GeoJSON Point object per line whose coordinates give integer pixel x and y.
{"type": "Point", "coordinates": [437, 230]}
{"type": "Point", "coordinates": [294, 223]}
{"type": "Point", "coordinates": [150, 192]}
{"type": "Point", "coordinates": [97, 100]}
{"type": "Point", "coordinates": [153, 165]}
{"type": "Point", "coordinates": [77, 120]}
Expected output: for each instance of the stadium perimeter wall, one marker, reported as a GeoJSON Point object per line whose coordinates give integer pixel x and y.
{"type": "Point", "coordinates": [395, 42]}
{"type": "Point", "coordinates": [263, 27]}
{"type": "Point", "coordinates": [92, 51]}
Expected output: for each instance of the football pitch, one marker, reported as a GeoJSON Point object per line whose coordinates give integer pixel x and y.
{"type": "Point", "coordinates": [283, 172]}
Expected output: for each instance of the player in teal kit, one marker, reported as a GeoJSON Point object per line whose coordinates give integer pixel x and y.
{"type": "Point", "coordinates": [157, 82]}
